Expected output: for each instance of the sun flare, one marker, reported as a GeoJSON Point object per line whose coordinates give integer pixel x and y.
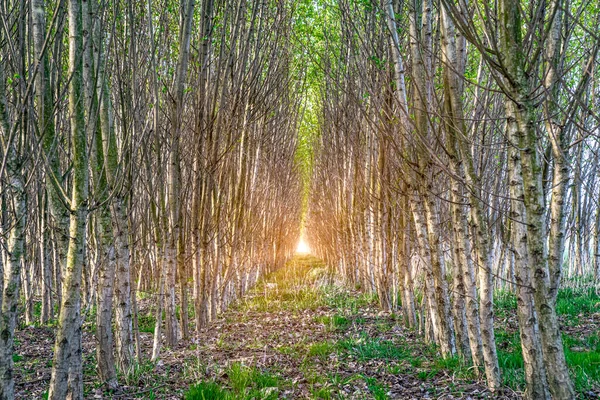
{"type": "Point", "coordinates": [302, 247]}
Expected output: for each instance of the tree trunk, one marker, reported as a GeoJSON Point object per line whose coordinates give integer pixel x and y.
{"type": "Point", "coordinates": [535, 372]}
{"type": "Point", "coordinates": [520, 109]}
{"type": "Point", "coordinates": [67, 371]}
{"type": "Point", "coordinates": [47, 310]}
{"type": "Point", "coordinates": [11, 282]}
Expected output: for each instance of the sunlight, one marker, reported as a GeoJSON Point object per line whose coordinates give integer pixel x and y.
{"type": "Point", "coordinates": [302, 247]}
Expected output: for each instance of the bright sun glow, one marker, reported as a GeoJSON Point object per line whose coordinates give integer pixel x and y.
{"type": "Point", "coordinates": [302, 247]}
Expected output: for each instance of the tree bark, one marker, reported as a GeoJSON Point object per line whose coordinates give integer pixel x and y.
{"type": "Point", "coordinates": [67, 371]}
{"type": "Point", "coordinates": [11, 282]}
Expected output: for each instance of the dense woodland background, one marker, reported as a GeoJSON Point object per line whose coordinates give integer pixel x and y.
{"type": "Point", "coordinates": [431, 152]}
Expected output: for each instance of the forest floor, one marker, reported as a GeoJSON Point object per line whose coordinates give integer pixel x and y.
{"type": "Point", "coordinates": [299, 336]}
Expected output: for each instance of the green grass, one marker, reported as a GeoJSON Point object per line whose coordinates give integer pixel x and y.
{"type": "Point", "coordinates": [321, 350]}
{"type": "Point", "coordinates": [140, 373]}
{"type": "Point", "coordinates": [510, 359]}
{"type": "Point", "coordinates": [146, 323]}
{"type": "Point", "coordinates": [585, 368]}
{"type": "Point", "coordinates": [570, 303]}
{"type": "Point", "coordinates": [456, 365]}
{"type": "Point", "coordinates": [289, 288]}
{"type": "Point", "coordinates": [335, 322]}
{"type": "Point", "coordinates": [378, 390]}
{"type": "Point", "coordinates": [505, 303]}
{"type": "Point", "coordinates": [324, 393]}
{"type": "Point", "coordinates": [347, 303]}
{"type": "Point", "coordinates": [366, 348]}
{"type": "Point", "coordinates": [242, 382]}
{"type": "Point", "coordinates": [575, 302]}
{"type": "Point", "coordinates": [208, 391]}
{"type": "Point", "coordinates": [584, 362]}
{"type": "Point", "coordinates": [300, 286]}
{"type": "Point", "coordinates": [582, 352]}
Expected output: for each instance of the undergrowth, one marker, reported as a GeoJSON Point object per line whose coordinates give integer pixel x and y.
{"type": "Point", "coordinates": [360, 338]}
{"type": "Point", "coordinates": [581, 346]}
{"type": "Point", "coordinates": [241, 383]}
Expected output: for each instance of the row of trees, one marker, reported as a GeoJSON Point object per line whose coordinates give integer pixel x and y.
{"type": "Point", "coordinates": [458, 152]}
{"type": "Point", "coordinates": [145, 146]}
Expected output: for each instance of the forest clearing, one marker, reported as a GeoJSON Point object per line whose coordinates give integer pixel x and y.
{"type": "Point", "coordinates": [261, 199]}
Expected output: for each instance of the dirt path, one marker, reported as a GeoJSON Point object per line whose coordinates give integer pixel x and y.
{"type": "Point", "coordinates": [296, 336]}
{"type": "Point", "coordinates": [322, 341]}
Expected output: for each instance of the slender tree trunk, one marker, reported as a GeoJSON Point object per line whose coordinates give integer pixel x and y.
{"type": "Point", "coordinates": [46, 262]}
{"type": "Point", "coordinates": [11, 282]}
{"type": "Point", "coordinates": [454, 56]}
{"type": "Point", "coordinates": [105, 240]}
{"type": "Point", "coordinates": [596, 245]}
{"type": "Point", "coordinates": [535, 372]}
{"type": "Point", "coordinates": [520, 109]}
{"type": "Point", "coordinates": [115, 170]}
{"type": "Point", "coordinates": [66, 367]}
{"type": "Point", "coordinates": [425, 253]}
{"type": "Point", "coordinates": [174, 180]}
{"type": "Point", "coordinates": [442, 296]}
{"type": "Point", "coordinates": [45, 109]}
{"type": "Point", "coordinates": [159, 312]}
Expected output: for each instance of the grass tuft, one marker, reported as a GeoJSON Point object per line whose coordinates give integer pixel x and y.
{"type": "Point", "coordinates": [208, 391]}
{"type": "Point", "coordinates": [366, 348]}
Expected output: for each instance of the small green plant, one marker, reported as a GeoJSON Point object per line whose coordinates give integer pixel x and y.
{"type": "Point", "coordinates": [345, 302]}
{"type": "Point", "coordinates": [320, 350]}
{"type": "Point", "coordinates": [505, 303]}
{"type": "Point", "coordinates": [583, 359]}
{"type": "Point", "coordinates": [456, 365]}
{"type": "Point", "coordinates": [334, 322]}
{"type": "Point", "coordinates": [251, 383]}
{"type": "Point", "coordinates": [239, 376]}
{"type": "Point", "coordinates": [208, 391]}
{"type": "Point", "coordinates": [322, 393]}
{"type": "Point", "coordinates": [575, 302]}
{"type": "Point", "coordinates": [379, 391]}
{"type": "Point", "coordinates": [367, 348]}
{"type": "Point", "coordinates": [425, 375]}
{"type": "Point", "coordinates": [416, 362]}
{"type": "Point", "coordinates": [139, 373]}
{"type": "Point", "coordinates": [384, 326]}
{"type": "Point", "coordinates": [146, 323]}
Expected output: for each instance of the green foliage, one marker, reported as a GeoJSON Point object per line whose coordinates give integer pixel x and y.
{"type": "Point", "coordinates": [582, 353]}
{"type": "Point", "coordinates": [570, 302]}
{"type": "Point", "coordinates": [334, 322]}
{"type": "Point", "coordinates": [454, 364]}
{"type": "Point", "coordinates": [322, 393]}
{"type": "Point", "coordinates": [239, 376]}
{"type": "Point", "coordinates": [378, 390]}
{"type": "Point", "coordinates": [416, 362]}
{"type": "Point", "coordinates": [289, 288]}
{"type": "Point", "coordinates": [321, 350]}
{"type": "Point", "coordinates": [207, 391]}
{"type": "Point", "coordinates": [505, 303]}
{"type": "Point", "coordinates": [245, 383]}
{"type": "Point", "coordinates": [583, 358]}
{"type": "Point", "coordinates": [347, 303]}
{"type": "Point", "coordinates": [425, 375]}
{"type": "Point", "coordinates": [140, 373]}
{"type": "Point", "coordinates": [251, 382]}
{"type": "Point", "coordinates": [146, 323]}
{"type": "Point", "coordinates": [574, 302]}
{"type": "Point", "coordinates": [366, 348]}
